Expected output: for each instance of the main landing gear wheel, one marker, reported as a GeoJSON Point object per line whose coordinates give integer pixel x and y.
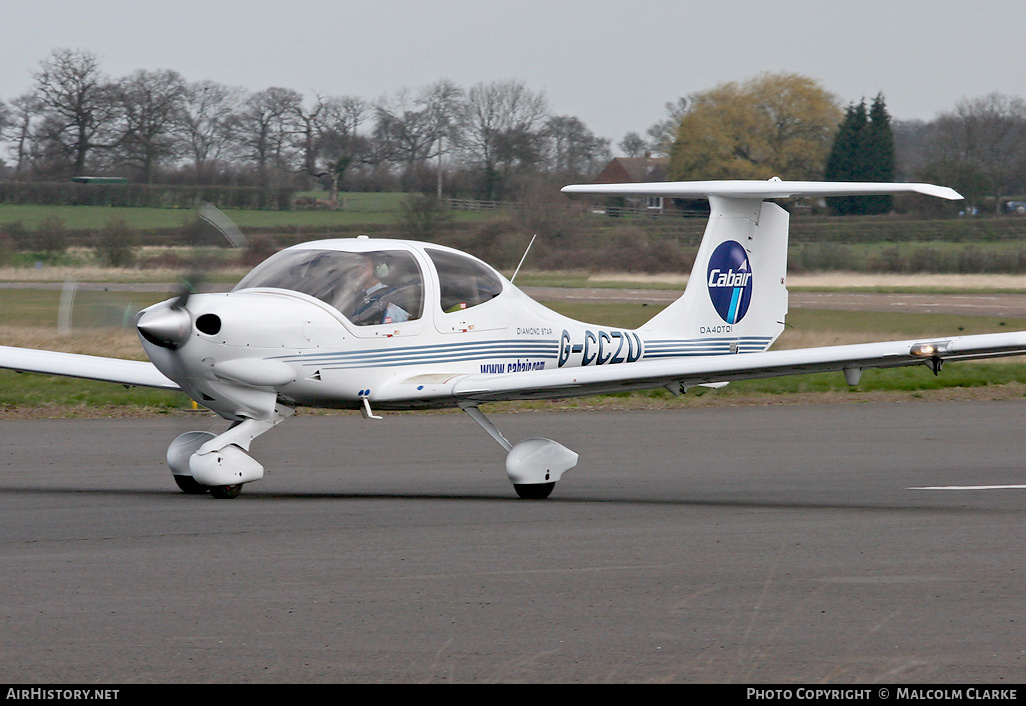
{"type": "Point", "coordinates": [189, 486]}
{"type": "Point", "coordinates": [534, 491]}
{"type": "Point", "coordinates": [226, 492]}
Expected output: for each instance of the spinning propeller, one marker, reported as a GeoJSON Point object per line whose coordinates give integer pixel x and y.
{"type": "Point", "coordinates": [169, 326]}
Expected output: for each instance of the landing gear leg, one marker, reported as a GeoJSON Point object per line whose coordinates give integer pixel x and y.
{"type": "Point", "coordinates": [204, 462]}
{"type": "Point", "coordinates": [533, 465]}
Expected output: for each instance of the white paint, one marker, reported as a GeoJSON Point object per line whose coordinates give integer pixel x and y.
{"type": "Point", "coordinates": [971, 487]}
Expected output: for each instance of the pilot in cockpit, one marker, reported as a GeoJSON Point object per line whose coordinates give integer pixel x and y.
{"type": "Point", "coordinates": [375, 306]}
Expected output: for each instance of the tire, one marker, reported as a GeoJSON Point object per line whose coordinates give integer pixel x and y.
{"type": "Point", "coordinates": [534, 491]}
{"type": "Point", "coordinates": [189, 486]}
{"type": "Point", "coordinates": [226, 492]}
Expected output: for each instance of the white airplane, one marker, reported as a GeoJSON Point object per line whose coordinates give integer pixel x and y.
{"type": "Point", "coordinates": [376, 324]}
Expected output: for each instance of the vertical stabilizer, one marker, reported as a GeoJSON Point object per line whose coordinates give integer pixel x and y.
{"type": "Point", "coordinates": [736, 296]}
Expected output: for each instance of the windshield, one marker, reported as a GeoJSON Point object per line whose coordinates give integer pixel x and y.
{"type": "Point", "coordinates": [379, 287]}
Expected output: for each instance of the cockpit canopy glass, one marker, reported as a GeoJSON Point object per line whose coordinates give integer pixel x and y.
{"type": "Point", "coordinates": [379, 287]}
{"type": "Point", "coordinates": [463, 282]}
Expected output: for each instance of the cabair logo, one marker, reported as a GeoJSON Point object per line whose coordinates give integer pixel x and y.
{"type": "Point", "coordinates": [730, 281]}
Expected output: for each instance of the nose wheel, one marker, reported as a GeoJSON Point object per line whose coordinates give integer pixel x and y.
{"type": "Point", "coordinates": [204, 462]}
{"type": "Point", "coordinates": [226, 492]}
{"type": "Point", "coordinates": [189, 486]}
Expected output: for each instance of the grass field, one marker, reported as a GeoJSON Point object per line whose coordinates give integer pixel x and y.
{"type": "Point", "coordinates": [101, 321]}
{"type": "Point", "coordinates": [29, 318]}
{"type": "Point", "coordinates": [357, 208]}
{"type": "Point", "coordinates": [92, 217]}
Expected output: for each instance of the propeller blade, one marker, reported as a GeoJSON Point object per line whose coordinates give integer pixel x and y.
{"type": "Point", "coordinates": [224, 225]}
{"type": "Point", "coordinates": [186, 289]}
{"type": "Point", "coordinates": [169, 324]}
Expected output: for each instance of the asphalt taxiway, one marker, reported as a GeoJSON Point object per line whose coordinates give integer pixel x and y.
{"type": "Point", "coordinates": [816, 543]}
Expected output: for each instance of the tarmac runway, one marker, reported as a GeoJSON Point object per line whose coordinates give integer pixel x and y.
{"type": "Point", "coordinates": [817, 543]}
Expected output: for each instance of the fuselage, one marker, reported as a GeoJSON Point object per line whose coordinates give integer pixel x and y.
{"type": "Point", "coordinates": [330, 323]}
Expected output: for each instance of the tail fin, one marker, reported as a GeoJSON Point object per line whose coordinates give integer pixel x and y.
{"type": "Point", "coordinates": [736, 297]}
{"type": "Point", "coordinates": [737, 292]}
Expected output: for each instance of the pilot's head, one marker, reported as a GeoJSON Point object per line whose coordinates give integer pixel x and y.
{"type": "Point", "coordinates": [373, 269]}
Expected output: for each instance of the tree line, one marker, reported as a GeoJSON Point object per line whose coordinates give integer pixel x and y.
{"type": "Point", "coordinates": [155, 126]}
{"type": "Point", "coordinates": [788, 125]}
{"type": "Point", "coordinates": [489, 141]}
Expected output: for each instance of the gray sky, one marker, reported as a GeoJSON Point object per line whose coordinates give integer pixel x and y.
{"type": "Point", "coordinates": [612, 63]}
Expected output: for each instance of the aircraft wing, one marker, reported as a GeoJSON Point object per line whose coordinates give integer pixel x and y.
{"type": "Point", "coordinates": [126, 372]}
{"type": "Point", "coordinates": [578, 381]}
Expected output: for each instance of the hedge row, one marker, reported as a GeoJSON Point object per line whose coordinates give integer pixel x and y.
{"type": "Point", "coordinates": [908, 259]}
{"type": "Point", "coordinates": [898, 228]}
{"type": "Point", "coordinates": [903, 230]}
{"type": "Point", "coordinates": [144, 195]}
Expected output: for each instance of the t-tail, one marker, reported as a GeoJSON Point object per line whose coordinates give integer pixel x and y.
{"type": "Point", "coordinates": [736, 297]}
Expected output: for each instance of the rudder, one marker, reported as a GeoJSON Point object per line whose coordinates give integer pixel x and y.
{"type": "Point", "coordinates": [736, 296]}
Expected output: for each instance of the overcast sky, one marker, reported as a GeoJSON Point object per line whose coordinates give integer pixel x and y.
{"type": "Point", "coordinates": [612, 63]}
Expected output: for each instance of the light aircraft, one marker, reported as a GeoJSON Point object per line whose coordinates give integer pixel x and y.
{"type": "Point", "coordinates": [376, 324]}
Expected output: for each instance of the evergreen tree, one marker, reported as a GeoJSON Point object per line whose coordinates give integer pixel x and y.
{"type": "Point", "coordinates": [863, 150]}
{"type": "Point", "coordinates": [844, 161]}
{"type": "Point", "coordinates": [879, 151]}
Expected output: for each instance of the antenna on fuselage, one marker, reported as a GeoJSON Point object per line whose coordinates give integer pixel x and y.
{"type": "Point", "coordinates": [524, 257]}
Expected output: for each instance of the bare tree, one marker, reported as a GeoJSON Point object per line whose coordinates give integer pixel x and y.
{"type": "Point", "coordinates": [264, 130]}
{"type": "Point", "coordinates": [344, 114]}
{"type": "Point", "coordinates": [25, 113]}
{"type": "Point", "coordinates": [577, 153]}
{"type": "Point", "coordinates": [633, 145]}
{"type": "Point", "coordinates": [79, 105]}
{"type": "Point", "coordinates": [5, 119]}
{"type": "Point", "coordinates": [984, 139]}
{"type": "Point", "coordinates": [404, 129]}
{"type": "Point", "coordinates": [151, 102]}
{"type": "Point", "coordinates": [308, 127]}
{"type": "Point", "coordinates": [6, 122]}
{"type": "Point", "coordinates": [338, 144]}
{"type": "Point", "coordinates": [445, 103]}
{"type": "Point", "coordinates": [663, 133]}
{"type": "Point", "coordinates": [913, 148]}
{"type": "Point", "coordinates": [413, 127]}
{"type": "Point", "coordinates": [501, 131]}
{"type": "Point", "coordinates": [205, 120]}
{"type": "Point", "coordinates": [325, 136]}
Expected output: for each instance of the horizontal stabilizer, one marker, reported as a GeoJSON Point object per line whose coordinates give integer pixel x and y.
{"type": "Point", "coordinates": [749, 189]}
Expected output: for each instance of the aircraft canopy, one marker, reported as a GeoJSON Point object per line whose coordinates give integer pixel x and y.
{"type": "Point", "coordinates": [377, 287]}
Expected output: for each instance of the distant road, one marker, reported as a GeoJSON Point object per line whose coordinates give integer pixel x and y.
{"type": "Point", "coordinates": [997, 304]}
{"type": "Point", "coordinates": [966, 304]}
